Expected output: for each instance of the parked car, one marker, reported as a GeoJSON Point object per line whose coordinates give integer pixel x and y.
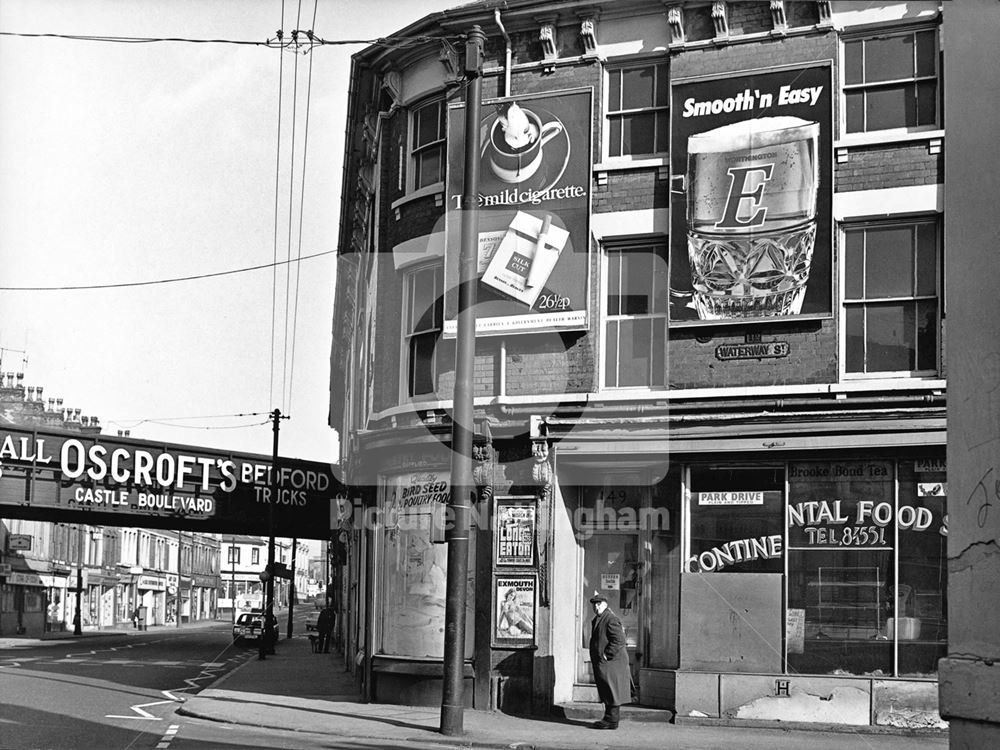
{"type": "Point", "coordinates": [250, 626]}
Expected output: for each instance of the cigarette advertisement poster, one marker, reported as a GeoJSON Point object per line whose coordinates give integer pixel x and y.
{"type": "Point", "coordinates": [532, 258]}
{"type": "Point", "coordinates": [515, 532]}
{"type": "Point", "coordinates": [514, 610]}
{"type": "Point", "coordinates": [751, 204]}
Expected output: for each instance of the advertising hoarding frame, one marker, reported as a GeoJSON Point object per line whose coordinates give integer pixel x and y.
{"type": "Point", "coordinates": [818, 298]}
{"type": "Point", "coordinates": [559, 298]}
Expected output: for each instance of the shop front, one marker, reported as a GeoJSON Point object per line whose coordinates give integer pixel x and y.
{"type": "Point", "coordinates": [153, 597]}
{"type": "Point", "coordinates": [24, 602]}
{"type": "Point", "coordinates": [808, 588]}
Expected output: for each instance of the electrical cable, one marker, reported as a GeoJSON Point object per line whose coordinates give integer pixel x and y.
{"type": "Point", "coordinates": [302, 200]}
{"type": "Point", "coordinates": [81, 287]}
{"type": "Point", "coordinates": [387, 41]}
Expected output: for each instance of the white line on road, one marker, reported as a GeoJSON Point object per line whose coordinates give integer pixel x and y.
{"type": "Point", "coordinates": [141, 713]}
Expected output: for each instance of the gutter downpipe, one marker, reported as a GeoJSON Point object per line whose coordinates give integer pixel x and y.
{"type": "Point", "coordinates": [508, 56]}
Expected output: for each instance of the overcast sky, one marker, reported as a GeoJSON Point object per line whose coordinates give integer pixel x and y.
{"type": "Point", "coordinates": [123, 163]}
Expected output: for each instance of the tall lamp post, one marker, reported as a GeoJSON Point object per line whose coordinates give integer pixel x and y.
{"type": "Point", "coordinates": [78, 609]}
{"type": "Point", "coordinates": [462, 487]}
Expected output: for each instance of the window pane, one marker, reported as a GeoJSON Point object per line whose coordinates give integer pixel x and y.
{"type": "Point", "coordinates": [922, 592]}
{"type": "Point", "coordinates": [658, 363]}
{"type": "Point", "coordinates": [614, 90]}
{"type": "Point", "coordinates": [926, 259]}
{"type": "Point", "coordinates": [615, 136]}
{"type": "Point", "coordinates": [926, 53]}
{"type": "Point", "coordinates": [422, 364]}
{"type": "Point", "coordinates": [927, 328]}
{"type": "Point", "coordinates": [891, 107]}
{"type": "Point", "coordinates": [614, 283]}
{"type": "Point", "coordinates": [428, 121]}
{"type": "Point", "coordinates": [428, 164]}
{"type": "Point", "coordinates": [662, 86]}
{"type": "Point", "coordinates": [662, 131]}
{"type": "Point", "coordinates": [634, 352]}
{"type": "Point", "coordinates": [843, 595]}
{"type": "Point", "coordinates": [423, 296]}
{"type": "Point", "coordinates": [637, 282]}
{"type": "Point", "coordinates": [926, 103]}
{"type": "Point", "coordinates": [661, 280]}
{"type": "Point", "coordinates": [717, 521]}
{"type": "Point", "coordinates": [638, 133]}
{"type": "Point", "coordinates": [889, 59]}
{"type": "Point", "coordinates": [889, 262]}
{"type": "Point", "coordinates": [611, 355]}
{"type": "Point", "coordinates": [855, 104]}
{"type": "Point", "coordinates": [854, 265]}
{"type": "Point", "coordinates": [854, 352]}
{"type": "Point", "coordinates": [854, 62]}
{"type": "Point", "coordinates": [891, 338]}
{"type": "Point", "coordinates": [637, 88]}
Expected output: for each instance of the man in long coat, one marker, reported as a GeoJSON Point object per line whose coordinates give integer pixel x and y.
{"type": "Point", "coordinates": [609, 657]}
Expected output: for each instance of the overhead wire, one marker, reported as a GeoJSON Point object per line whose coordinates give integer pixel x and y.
{"type": "Point", "coordinates": [171, 280]}
{"type": "Point", "coordinates": [302, 198]}
{"type": "Point", "coordinates": [278, 42]}
{"type": "Point", "coordinates": [291, 203]}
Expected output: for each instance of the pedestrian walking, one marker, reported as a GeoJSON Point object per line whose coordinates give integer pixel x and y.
{"type": "Point", "coordinates": [324, 625]}
{"type": "Point", "coordinates": [609, 657]}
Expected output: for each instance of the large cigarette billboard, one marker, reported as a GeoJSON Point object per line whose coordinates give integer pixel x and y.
{"type": "Point", "coordinates": [751, 208]}
{"type": "Point", "coordinates": [534, 211]}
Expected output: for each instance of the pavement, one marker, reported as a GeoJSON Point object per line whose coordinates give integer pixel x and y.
{"type": "Point", "coordinates": [298, 690]}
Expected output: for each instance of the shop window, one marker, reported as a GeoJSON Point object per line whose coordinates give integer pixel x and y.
{"type": "Point", "coordinates": [838, 595]}
{"type": "Point", "coordinates": [921, 623]}
{"type": "Point", "coordinates": [422, 315]}
{"type": "Point", "coordinates": [636, 316]}
{"type": "Point", "coordinates": [891, 308]}
{"type": "Point", "coordinates": [737, 516]}
{"type": "Point", "coordinates": [891, 81]}
{"type": "Point", "coordinates": [413, 568]}
{"type": "Point", "coordinates": [427, 143]}
{"type": "Point", "coordinates": [637, 111]}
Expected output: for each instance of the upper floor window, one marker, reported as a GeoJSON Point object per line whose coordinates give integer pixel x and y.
{"type": "Point", "coordinates": [427, 143]}
{"type": "Point", "coordinates": [891, 288]}
{"type": "Point", "coordinates": [233, 555]}
{"type": "Point", "coordinates": [636, 316]}
{"type": "Point", "coordinates": [255, 556]}
{"type": "Point", "coordinates": [891, 81]}
{"type": "Point", "coordinates": [422, 314]}
{"type": "Point", "coordinates": [637, 111]}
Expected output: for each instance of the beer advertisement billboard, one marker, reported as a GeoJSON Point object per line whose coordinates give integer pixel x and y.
{"type": "Point", "coordinates": [534, 210]}
{"type": "Point", "coordinates": [751, 204]}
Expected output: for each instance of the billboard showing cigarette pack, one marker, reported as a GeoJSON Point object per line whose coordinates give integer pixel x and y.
{"type": "Point", "coordinates": [534, 210]}
{"type": "Point", "coordinates": [751, 234]}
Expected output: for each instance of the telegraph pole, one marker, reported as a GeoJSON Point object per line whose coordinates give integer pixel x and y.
{"type": "Point", "coordinates": [267, 642]}
{"type": "Point", "coordinates": [291, 588]}
{"type": "Point", "coordinates": [77, 609]}
{"type": "Point", "coordinates": [462, 486]}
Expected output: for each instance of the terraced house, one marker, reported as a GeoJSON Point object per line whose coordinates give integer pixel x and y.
{"type": "Point", "coordinates": [709, 364]}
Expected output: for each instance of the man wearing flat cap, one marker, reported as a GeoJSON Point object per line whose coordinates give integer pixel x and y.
{"type": "Point", "coordinates": [609, 658]}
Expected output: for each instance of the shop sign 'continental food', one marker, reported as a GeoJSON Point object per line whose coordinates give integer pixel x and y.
{"type": "Point", "coordinates": [137, 480]}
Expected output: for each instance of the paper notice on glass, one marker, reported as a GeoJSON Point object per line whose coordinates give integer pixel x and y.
{"type": "Point", "coordinates": [523, 262]}
{"type": "Point", "coordinates": [610, 581]}
{"type": "Point", "coordinates": [795, 630]}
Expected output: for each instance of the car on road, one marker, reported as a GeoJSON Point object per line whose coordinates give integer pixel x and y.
{"type": "Point", "coordinates": [249, 626]}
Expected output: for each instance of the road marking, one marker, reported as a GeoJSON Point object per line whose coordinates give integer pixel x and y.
{"type": "Point", "coordinates": [168, 736]}
{"type": "Point", "coordinates": [141, 712]}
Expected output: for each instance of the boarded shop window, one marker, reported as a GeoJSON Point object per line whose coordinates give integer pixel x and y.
{"type": "Point", "coordinates": [422, 313]}
{"type": "Point", "coordinates": [413, 569]}
{"type": "Point", "coordinates": [637, 111]}
{"type": "Point", "coordinates": [636, 315]}
{"type": "Point", "coordinates": [891, 290]}
{"type": "Point", "coordinates": [736, 520]}
{"type": "Point", "coordinates": [891, 81]}
{"type": "Point", "coordinates": [427, 143]}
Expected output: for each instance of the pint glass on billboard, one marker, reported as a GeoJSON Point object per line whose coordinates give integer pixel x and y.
{"type": "Point", "coordinates": [751, 216]}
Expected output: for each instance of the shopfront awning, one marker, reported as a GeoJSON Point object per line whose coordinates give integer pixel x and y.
{"type": "Point", "coordinates": [588, 442]}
